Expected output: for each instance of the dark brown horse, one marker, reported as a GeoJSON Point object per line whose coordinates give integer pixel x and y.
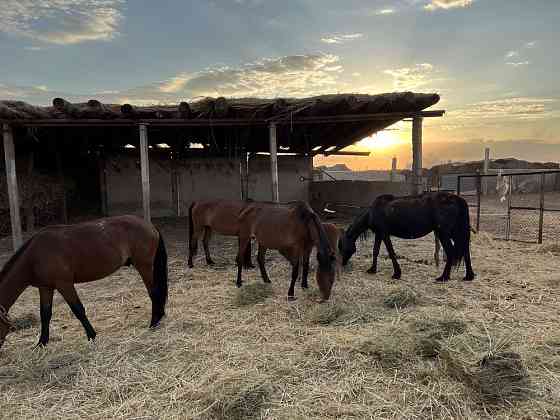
{"type": "Point", "coordinates": [221, 216]}
{"type": "Point", "coordinates": [57, 257]}
{"type": "Point", "coordinates": [292, 229]}
{"type": "Point", "coordinates": [445, 214]}
{"type": "Point", "coordinates": [333, 235]}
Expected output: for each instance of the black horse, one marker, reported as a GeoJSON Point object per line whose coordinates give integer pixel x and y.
{"type": "Point", "coordinates": [445, 214]}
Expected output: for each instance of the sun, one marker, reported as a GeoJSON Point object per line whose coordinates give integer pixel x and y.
{"type": "Point", "coordinates": [379, 141]}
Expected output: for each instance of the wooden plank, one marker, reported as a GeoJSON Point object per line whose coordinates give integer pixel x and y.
{"type": "Point", "coordinates": [145, 171]}
{"type": "Point", "coordinates": [417, 153]}
{"type": "Point", "coordinates": [274, 163]}
{"type": "Point", "coordinates": [11, 178]}
{"type": "Point", "coordinates": [345, 153]}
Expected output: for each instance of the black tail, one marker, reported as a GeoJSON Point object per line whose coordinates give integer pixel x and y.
{"type": "Point", "coordinates": [462, 232]}
{"type": "Point", "coordinates": [159, 292]}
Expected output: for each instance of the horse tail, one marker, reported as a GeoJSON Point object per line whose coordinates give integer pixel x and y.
{"type": "Point", "coordinates": [462, 232]}
{"type": "Point", "coordinates": [160, 287]}
{"type": "Point", "coordinates": [191, 228]}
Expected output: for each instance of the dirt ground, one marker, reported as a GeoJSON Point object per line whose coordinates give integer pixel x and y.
{"type": "Point", "coordinates": [380, 349]}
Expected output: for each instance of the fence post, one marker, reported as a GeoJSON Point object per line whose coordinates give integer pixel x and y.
{"type": "Point", "coordinates": [508, 224]}
{"type": "Point", "coordinates": [478, 192]}
{"type": "Point", "coordinates": [541, 208]}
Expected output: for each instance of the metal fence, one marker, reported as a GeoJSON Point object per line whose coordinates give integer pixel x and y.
{"type": "Point", "coordinates": [521, 206]}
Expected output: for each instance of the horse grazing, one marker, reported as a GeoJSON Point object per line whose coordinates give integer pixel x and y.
{"type": "Point", "coordinates": [57, 257]}
{"type": "Point", "coordinates": [214, 215]}
{"type": "Point", "coordinates": [445, 214]}
{"type": "Point", "coordinates": [292, 229]}
{"type": "Point", "coordinates": [333, 235]}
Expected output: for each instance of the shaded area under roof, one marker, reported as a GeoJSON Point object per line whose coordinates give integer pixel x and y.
{"type": "Point", "coordinates": [225, 126]}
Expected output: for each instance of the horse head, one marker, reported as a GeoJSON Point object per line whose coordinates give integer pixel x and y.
{"type": "Point", "coordinates": [347, 248]}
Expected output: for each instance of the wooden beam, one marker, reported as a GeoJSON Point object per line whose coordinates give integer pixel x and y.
{"type": "Point", "coordinates": [417, 153]}
{"type": "Point", "coordinates": [274, 163]}
{"type": "Point", "coordinates": [11, 178]}
{"type": "Point", "coordinates": [145, 171]}
{"type": "Point", "coordinates": [345, 153]}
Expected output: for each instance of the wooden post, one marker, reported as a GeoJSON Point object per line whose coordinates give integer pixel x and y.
{"type": "Point", "coordinates": [11, 179]}
{"type": "Point", "coordinates": [485, 170]}
{"type": "Point", "coordinates": [243, 176]}
{"type": "Point", "coordinates": [417, 154]}
{"type": "Point", "coordinates": [541, 208]}
{"type": "Point", "coordinates": [145, 171]}
{"type": "Point", "coordinates": [274, 163]}
{"type": "Point", "coordinates": [393, 168]}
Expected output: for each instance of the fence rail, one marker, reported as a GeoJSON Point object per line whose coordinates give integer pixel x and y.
{"type": "Point", "coordinates": [521, 206]}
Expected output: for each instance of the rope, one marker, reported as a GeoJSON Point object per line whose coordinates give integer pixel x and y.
{"type": "Point", "coordinates": [6, 319]}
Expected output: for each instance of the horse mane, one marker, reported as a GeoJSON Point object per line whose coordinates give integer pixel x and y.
{"type": "Point", "coordinates": [323, 254]}
{"type": "Point", "coordinates": [13, 259]}
{"type": "Point", "coordinates": [359, 227]}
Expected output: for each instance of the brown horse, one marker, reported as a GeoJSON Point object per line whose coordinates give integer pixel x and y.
{"type": "Point", "coordinates": [57, 257]}
{"type": "Point", "coordinates": [220, 216]}
{"type": "Point", "coordinates": [292, 229]}
{"type": "Point", "coordinates": [333, 235]}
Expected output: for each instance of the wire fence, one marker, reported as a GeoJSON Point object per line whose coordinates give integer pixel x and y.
{"type": "Point", "coordinates": [521, 206]}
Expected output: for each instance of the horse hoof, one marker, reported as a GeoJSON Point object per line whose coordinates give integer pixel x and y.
{"type": "Point", "coordinates": [305, 286]}
{"type": "Point", "coordinates": [191, 265]}
{"type": "Point", "coordinates": [441, 280]}
{"type": "Point", "coordinates": [372, 271]}
{"type": "Point", "coordinates": [238, 285]}
{"type": "Point", "coordinates": [210, 262]}
{"type": "Point", "coordinates": [396, 276]}
{"type": "Point", "coordinates": [292, 298]}
{"type": "Point", "coordinates": [40, 345]}
{"type": "Point", "coordinates": [468, 278]}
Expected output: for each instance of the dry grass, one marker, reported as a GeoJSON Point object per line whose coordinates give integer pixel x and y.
{"type": "Point", "coordinates": [224, 353]}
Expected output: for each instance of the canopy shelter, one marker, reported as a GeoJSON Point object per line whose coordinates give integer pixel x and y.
{"type": "Point", "coordinates": [213, 127]}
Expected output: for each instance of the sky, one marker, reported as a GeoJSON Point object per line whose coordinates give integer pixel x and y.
{"type": "Point", "coordinates": [494, 62]}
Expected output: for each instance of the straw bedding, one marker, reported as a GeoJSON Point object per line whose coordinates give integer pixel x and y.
{"type": "Point", "coordinates": [484, 350]}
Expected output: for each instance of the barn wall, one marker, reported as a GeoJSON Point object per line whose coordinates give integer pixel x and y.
{"type": "Point", "coordinates": [199, 179]}
{"type": "Point", "coordinates": [290, 169]}
{"type": "Point", "coordinates": [358, 193]}
{"type": "Point", "coordinates": [124, 187]}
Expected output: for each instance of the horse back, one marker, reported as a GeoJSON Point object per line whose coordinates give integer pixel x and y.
{"type": "Point", "coordinates": [219, 215]}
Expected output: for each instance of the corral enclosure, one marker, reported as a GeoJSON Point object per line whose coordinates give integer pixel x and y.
{"type": "Point", "coordinates": [381, 349]}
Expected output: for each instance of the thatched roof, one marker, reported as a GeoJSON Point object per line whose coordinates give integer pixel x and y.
{"type": "Point", "coordinates": [303, 124]}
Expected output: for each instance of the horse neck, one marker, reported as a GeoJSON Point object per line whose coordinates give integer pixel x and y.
{"type": "Point", "coordinates": [359, 226]}
{"type": "Point", "coordinates": [12, 285]}
{"type": "Point", "coordinates": [318, 236]}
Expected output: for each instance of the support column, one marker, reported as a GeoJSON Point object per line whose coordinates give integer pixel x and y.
{"type": "Point", "coordinates": [145, 171]}
{"type": "Point", "coordinates": [417, 154]}
{"type": "Point", "coordinates": [274, 163]}
{"type": "Point", "coordinates": [485, 170]}
{"type": "Point", "coordinates": [11, 179]}
{"type": "Point", "coordinates": [393, 169]}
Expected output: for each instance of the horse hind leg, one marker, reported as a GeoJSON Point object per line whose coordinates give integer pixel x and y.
{"type": "Point", "coordinates": [261, 259]}
{"type": "Point", "coordinates": [68, 292]}
{"type": "Point", "coordinates": [393, 256]}
{"type": "Point", "coordinates": [449, 253]}
{"type": "Point", "coordinates": [45, 309]}
{"type": "Point", "coordinates": [205, 242]}
{"type": "Point", "coordinates": [193, 247]}
{"type": "Point", "coordinates": [295, 275]}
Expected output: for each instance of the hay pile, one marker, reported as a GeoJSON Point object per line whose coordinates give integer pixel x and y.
{"type": "Point", "coordinates": [228, 353]}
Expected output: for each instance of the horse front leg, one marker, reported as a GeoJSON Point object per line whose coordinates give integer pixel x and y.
{"type": "Point", "coordinates": [45, 309]}
{"type": "Point", "coordinates": [68, 292]}
{"type": "Point", "coordinates": [295, 275]}
{"type": "Point", "coordinates": [260, 259]}
{"type": "Point", "coordinates": [376, 246]}
{"type": "Point", "coordinates": [393, 256]}
{"type": "Point", "coordinates": [450, 257]}
{"type": "Point", "coordinates": [243, 243]}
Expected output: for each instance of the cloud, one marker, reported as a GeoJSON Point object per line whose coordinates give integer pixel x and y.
{"type": "Point", "coordinates": [531, 44]}
{"type": "Point", "coordinates": [62, 22]}
{"type": "Point", "coordinates": [341, 39]}
{"type": "Point", "coordinates": [295, 75]}
{"type": "Point", "coordinates": [511, 54]}
{"type": "Point", "coordinates": [518, 63]}
{"type": "Point", "coordinates": [410, 78]}
{"type": "Point", "coordinates": [511, 108]}
{"type": "Point", "coordinates": [387, 11]}
{"type": "Point", "coordinates": [447, 4]}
